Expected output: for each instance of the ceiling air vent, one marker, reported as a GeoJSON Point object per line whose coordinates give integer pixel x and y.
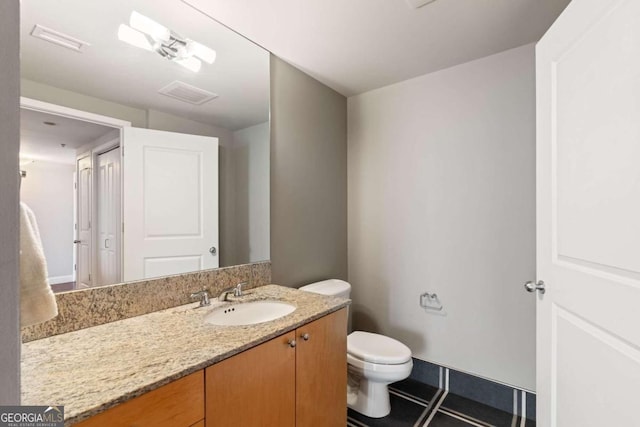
{"type": "Point", "coordinates": [58, 38]}
{"type": "Point", "coordinates": [187, 93]}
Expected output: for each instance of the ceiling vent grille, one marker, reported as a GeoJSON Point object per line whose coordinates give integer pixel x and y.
{"type": "Point", "coordinates": [58, 38]}
{"type": "Point", "coordinates": [187, 93]}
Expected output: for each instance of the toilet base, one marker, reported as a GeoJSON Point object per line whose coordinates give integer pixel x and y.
{"type": "Point", "coordinates": [373, 399]}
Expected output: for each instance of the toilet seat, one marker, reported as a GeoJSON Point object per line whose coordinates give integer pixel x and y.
{"type": "Point", "coordinates": [376, 349]}
{"type": "Point", "coordinates": [378, 368]}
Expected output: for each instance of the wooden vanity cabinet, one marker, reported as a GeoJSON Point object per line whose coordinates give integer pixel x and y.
{"type": "Point", "coordinates": [177, 404]}
{"type": "Point", "coordinates": [321, 372]}
{"type": "Point", "coordinates": [253, 388]}
{"type": "Point", "coordinates": [282, 384]}
{"type": "Point", "coordinates": [279, 383]}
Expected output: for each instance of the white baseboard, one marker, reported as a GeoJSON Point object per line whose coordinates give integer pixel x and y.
{"type": "Point", "coordinates": [60, 279]}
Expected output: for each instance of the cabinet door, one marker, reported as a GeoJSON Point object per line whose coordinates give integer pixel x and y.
{"type": "Point", "coordinates": [321, 372]}
{"type": "Point", "coordinates": [177, 404]}
{"type": "Point", "coordinates": [253, 388]}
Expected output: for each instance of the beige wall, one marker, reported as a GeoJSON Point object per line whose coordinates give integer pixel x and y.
{"type": "Point", "coordinates": [171, 123]}
{"type": "Point", "coordinates": [308, 178]}
{"type": "Point", "coordinates": [48, 191]}
{"type": "Point", "coordinates": [251, 155]}
{"type": "Point", "coordinates": [442, 199]}
{"type": "Point", "coordinates": [67, 98]}
{"type": "Point", "coordinates": [9, 146]}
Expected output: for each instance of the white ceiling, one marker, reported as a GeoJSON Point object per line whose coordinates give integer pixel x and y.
{"type": "Point", "coordinates": [39, 141]}
{"type": "Point", "coordinates": [115, 71]}
{"type": "Point", "coordinates": [355, 46]}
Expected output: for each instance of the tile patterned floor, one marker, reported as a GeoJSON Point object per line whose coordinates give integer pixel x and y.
{"type": "Point", "coordinates": [414, 404]}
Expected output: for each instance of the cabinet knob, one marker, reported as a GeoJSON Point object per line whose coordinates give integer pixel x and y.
{"type": "Point", "coordinates": [292, 343]}
{"type": "Point", "coordinates": [305, 337]}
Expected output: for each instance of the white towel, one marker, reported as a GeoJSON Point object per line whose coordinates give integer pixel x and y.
{"type": "Point", "coordinates": [37, 301]}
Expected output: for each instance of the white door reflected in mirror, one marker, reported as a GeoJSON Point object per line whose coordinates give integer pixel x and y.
{"type": "Point", "coordinates": [170, 203]}
{"type": "Point", "coordinates": [109, 231]}
{"type": "Point", "coordinates": [83, 223]}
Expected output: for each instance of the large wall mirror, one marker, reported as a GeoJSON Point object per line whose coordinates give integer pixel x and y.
{"type": "Point", "coordinates": [144, 140]}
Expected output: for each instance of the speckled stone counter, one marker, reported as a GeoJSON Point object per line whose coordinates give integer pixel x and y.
{"type": "Point", "coordinates": [94, 369]}
{"type": "Point", "coordinates": [103, 304]}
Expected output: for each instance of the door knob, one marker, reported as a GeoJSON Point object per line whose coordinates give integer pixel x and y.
{"type": "Point", "coordinates": [213, 250]}
{"type": "Point", "coordinates": [531, 286]}
{"type": "Point", "coordinates": [305, 337]}
{"type": "Point", "coordinates": [292, 343]}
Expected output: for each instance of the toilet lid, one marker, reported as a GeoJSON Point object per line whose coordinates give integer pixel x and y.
{"type": "Point", "coordinates": [334, 287]}
{"type": "Point", "coordinates": [377, 348]}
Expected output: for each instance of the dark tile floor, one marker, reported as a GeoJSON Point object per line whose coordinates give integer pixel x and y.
{"type": "Point", "coordinates": [414, 404]}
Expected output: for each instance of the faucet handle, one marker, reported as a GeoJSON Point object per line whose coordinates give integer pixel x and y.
{"type": "Point", "coordinates": [204, 297]}
{"type": "Point", "coordinates": [238, 290]}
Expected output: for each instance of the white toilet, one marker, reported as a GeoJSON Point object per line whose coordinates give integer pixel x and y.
{"type": "Point", "coordinates": [373, 360]}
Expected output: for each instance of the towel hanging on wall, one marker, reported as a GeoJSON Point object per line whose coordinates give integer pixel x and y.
{"type": "Point", "coordinates": [37, 301]}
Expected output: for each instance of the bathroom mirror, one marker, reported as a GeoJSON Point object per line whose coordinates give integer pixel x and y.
{"type": "Point", "coordinates": [144, 140]}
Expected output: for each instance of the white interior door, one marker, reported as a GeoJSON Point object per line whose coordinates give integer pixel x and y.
{"type": "Point", "coordinates": [170, 197]}
{"type": "Point", "coordinates": [83, 223]}
{"type": "Point", "coordinates": [588, 216]}
{"type": "Point", "coordinates": [109, 225]}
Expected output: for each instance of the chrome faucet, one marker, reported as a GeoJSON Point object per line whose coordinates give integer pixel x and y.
{"type": "Point", "coordinates": [204, 297]}
{"type": "Point", "coordinates": [236, 290]}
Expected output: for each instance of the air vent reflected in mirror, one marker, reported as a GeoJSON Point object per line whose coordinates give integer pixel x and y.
{"type": "Point", "coordinates": [187, 93]}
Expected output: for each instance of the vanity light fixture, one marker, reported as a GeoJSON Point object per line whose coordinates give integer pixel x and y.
{"type": "Point", "coordinates": [147, 34]}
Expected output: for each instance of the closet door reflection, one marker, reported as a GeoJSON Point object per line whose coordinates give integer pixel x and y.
{"type": "Point", "coordinates": [108, 198]}
{"type": "Point", "coordinates": [83, 224]}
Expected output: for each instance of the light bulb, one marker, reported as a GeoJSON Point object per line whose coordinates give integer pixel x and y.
{"type": "Point", "coordinates": [190, 63]}
{"type": "Point", "coordinates": [149, 26]}
{"type": "Point", "coordinates": [134, 37]}
{"type": "Point", "coordinates": [201, 51]}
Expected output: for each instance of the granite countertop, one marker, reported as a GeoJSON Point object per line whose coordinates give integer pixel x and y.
{"type": "Point", "coordinates": [94, 369]}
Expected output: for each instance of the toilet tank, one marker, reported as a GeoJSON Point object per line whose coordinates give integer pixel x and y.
{"type": "Point", "coordinates": [335, 288]}
{"type": "Point", "coordinates": [332, 287]}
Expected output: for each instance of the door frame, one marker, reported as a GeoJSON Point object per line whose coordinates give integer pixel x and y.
{"type": "Point", "coordinates": [85, 116]}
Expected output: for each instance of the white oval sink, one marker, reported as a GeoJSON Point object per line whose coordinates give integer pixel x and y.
{"type": "Point", "coordinates": [249, 313]}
